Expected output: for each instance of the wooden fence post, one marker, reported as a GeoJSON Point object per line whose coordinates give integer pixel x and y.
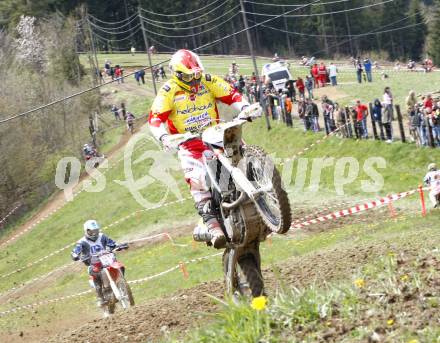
{"type": "Point", "coordinates": [400, 119]}
{"type": "Point", "coordinates": [348, 118]}
{"type": "Point", "coordinates": [373, 122]}
{"type": "Point", "coordinates": [429, 135]}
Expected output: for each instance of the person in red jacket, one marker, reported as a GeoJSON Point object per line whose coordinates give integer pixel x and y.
{"type": "Point", "coordinates": [300, 85]}
{"type": "Point", "coordinates": [322, 74]}
{"type": "Point", "coordinates": [315, 75]}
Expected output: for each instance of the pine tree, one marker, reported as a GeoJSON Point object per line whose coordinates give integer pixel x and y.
{"type": "Point", "coordinates": [415, 36]}
{"type": "Point", "coordinates": [434, 35]}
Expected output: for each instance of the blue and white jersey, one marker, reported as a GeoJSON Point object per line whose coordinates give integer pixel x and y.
{"type": "Point", "coordinates": [87, 250]}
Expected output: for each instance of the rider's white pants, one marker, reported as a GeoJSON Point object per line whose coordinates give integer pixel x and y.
{"type": "Point", "coordinates": [192, 154]}
{"type": "Point", "coordinates": [432, 196]}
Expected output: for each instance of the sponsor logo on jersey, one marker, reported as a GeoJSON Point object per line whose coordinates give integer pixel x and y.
{"type": "Point", "coordinates": [179, 98]}
{"type": "Point", "coordinates": [191, 109]}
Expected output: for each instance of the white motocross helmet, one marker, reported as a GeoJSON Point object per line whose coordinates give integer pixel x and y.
{"type": "Point", "coordinates": [432, 167]}
{"type": "Point", "coordinates": [91, 229]}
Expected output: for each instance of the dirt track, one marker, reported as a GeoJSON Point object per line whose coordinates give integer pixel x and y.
{"type": "Point", "coordinates": [180, 312]}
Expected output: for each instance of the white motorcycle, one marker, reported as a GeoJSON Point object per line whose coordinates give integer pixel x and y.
{"type": "Point", "coordinates": [249, 201]}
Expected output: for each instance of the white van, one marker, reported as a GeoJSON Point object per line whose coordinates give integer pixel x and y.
{"type": "Point", "coordinates": [278, 73]}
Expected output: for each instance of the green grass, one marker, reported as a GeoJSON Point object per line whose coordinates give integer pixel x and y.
{"type": "Point", "coordinates": [405, 169]}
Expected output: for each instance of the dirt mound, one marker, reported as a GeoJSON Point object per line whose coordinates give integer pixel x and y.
{"type": "Point", "coordinates": [180, 312]}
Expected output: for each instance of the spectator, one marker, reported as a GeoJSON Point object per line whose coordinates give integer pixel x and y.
{"type": "Point", "coordinates": [290, 86]}
{"type": "Point", "coordinates": [362, 114]}
{"type": "Point", "coordinates": [359, 70]}
{"type": "Point", "coordinates": [115, 112]}
{"type": "Point", "coordinates": [388, 114]}
{"type": "Point", "coordinates": [119, 74]}
{"type": "Point", "coordinates": [241, 84]}
{"type": "Point", "coordinates": [136, 77]}
{"type": "Point", "coordinates": [357, 124]}
{"type": "Point", "coordinates": [133, 50]}
{"type": "Point", "coordinates": [341, 121]}
{"type": "Point", "coordinates": [300, 85]}
{"type": "Point", "coordinates": [322, 74]}
{"type": "Point", "coordinates": [315, 74]}
{"type": "Point", "coordinates": [162, 73]}
{"type": "Point", "coordinates": [435, 122]}
{"type": "Point", "coordinates": [327, 110]}
{"type": "Point", "coordinates": [411, 102]}
{"type": "Point", "coordinates": [397, 66]}
{"type": "Point", "coordinates": [142, 76]}
{"type": "Point", "coordinates": [423, 133]}
{"type": "Point", "coordinates": [107, 67]}
{"type": "Point", "coordinates": [309, 86]}
{"type": "Point", "coordinates": [428, 104]}
{"type": "Point", "coordinates": [288, 108]}
{"type": "Point", "coordinates": [368, 69]}
{"type": "Point", "coordinates": [333, 73]}
{"type": "Point", "coordinates": [415, 126]}
{"type": "Point", "coordinates": [302, 113]}
{"type": "Point", "coordinates": [312, 113]}
{"type": "Point", "coordinates": [377, 116]}
{"type": "Point", "coordinates": [112, 73]}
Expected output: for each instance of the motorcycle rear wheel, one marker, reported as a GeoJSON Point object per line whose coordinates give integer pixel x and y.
{"type": "Point", "coordinates": [273, 206]}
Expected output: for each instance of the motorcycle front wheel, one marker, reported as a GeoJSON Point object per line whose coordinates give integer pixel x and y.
{"type": "Point", "coordinates": [127, 299]}
{"type": "Point", "coordinates": [273, 204]}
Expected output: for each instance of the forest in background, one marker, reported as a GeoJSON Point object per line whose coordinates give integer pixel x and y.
{"type": "Point", "coordinates": [334, 34]}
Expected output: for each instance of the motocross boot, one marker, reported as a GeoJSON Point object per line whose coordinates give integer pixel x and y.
{"type": "Point", "coordinates": [99, 295]}
{"type": "Point", "coordinates": [215, 233]}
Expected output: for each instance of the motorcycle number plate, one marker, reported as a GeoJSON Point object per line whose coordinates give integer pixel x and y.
{"type": "Point", "coordinates": [106, 260]}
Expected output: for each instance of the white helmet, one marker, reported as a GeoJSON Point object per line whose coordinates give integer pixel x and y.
{"type": "Point", "coordinates": [91, 229]}
{"type": "Point", "coordinates": [432, 167]}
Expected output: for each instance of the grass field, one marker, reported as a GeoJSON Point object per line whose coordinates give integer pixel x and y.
{"type": "Point", "coordinates": [405, 168]}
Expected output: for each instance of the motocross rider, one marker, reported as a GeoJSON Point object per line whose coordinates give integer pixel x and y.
{"type": "Point", "coordinates": [187, 103]}
{"type": "Point", "coordinates": [432, 179]}
{"type": "Point", "coordinates": [86, 250]}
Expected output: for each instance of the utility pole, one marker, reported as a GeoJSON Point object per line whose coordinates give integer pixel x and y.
{"type": "Point", "coordinates": [144, 34]}
{"type": "Point", "coordinates": [251, 49]}
{"type": "Point", "coordinates": [92, 43]}
{"type": "Point", "coordinates": [289, 48]}
{"type": "Point", "coordinates": [347, 22]}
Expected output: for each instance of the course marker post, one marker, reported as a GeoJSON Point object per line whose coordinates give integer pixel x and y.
{"type": "Point", "coordinates": [393, 213]}
{"type": "Point", "coordinates": [184, 270]}
{"type": "Point", "coordinates": [422, 200]}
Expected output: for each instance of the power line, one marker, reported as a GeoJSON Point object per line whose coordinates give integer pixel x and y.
{"type": "Point", "coordinates": [320, 14]}
{"type": "Point", "coordinates": [110, 28]}
{"type": "Point", "coordinates": [109, 32]}
{"type": "Point", "coordinates": [194, 34]}
{"type": "Point", "coordinates": [112, 22]}
{"type": "Point", "coordinates": [189, 27]}
{"type": "Point", "coordinates": [185, 21]}
{"type": "Point", "coordinates": [344, 36]}
{"type": "Point", "coordinates": [290, 5]}
{"type": "Point", "coordinates": [180, 14]}
{"type": "Point", "coordinates": [137, 28]}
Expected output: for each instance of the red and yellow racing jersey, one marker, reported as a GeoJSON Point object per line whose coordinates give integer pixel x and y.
{"type": "Point", "coordinates": [184, 111]}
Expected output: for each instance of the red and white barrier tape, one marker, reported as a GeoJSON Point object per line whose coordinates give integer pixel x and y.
{"type": "Point", "coordinates": [10, 213]}
{"type": "Point", "coordinates": [56, 252]}
{"type": "Point", "coordinates": [49, 301]}
{"type": "Point", "coordinates": [354, 209]}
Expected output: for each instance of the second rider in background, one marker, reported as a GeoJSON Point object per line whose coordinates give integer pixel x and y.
{"type": "Point", "coordinates": [188, 103]}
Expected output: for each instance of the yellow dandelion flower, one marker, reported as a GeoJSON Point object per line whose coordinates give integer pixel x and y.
{"type": "Point", "coordinates": [259, 303]}
{"type": "Point", "coordinates": [359, 283]}
{"type": "Point", "coordinates": [413, 341]}
{"type": "Point", "coordinates": [390, 322]}
{"type": "Point", "coordinates": [391, 254]}
{"type": "Point", "coordinates": [404, 277]}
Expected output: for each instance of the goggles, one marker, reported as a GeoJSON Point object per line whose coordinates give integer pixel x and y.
{"type": "Point", "coordinates": [93, 233]}
{"type": "Point", "coordinates": [189, 77]}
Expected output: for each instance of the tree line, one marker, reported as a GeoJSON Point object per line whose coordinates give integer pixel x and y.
{"type": "Point", "coordinates": [334, 34]}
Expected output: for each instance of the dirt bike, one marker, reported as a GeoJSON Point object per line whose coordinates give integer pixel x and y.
{"type": "Point", "coordinates": [130, 125]}
{"type": "Point", "coordinates": [114, 286]}
{"type": "Point", "coordinates": [94, 157]}
{"type": "Point", "coordinates": [248, 199]}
